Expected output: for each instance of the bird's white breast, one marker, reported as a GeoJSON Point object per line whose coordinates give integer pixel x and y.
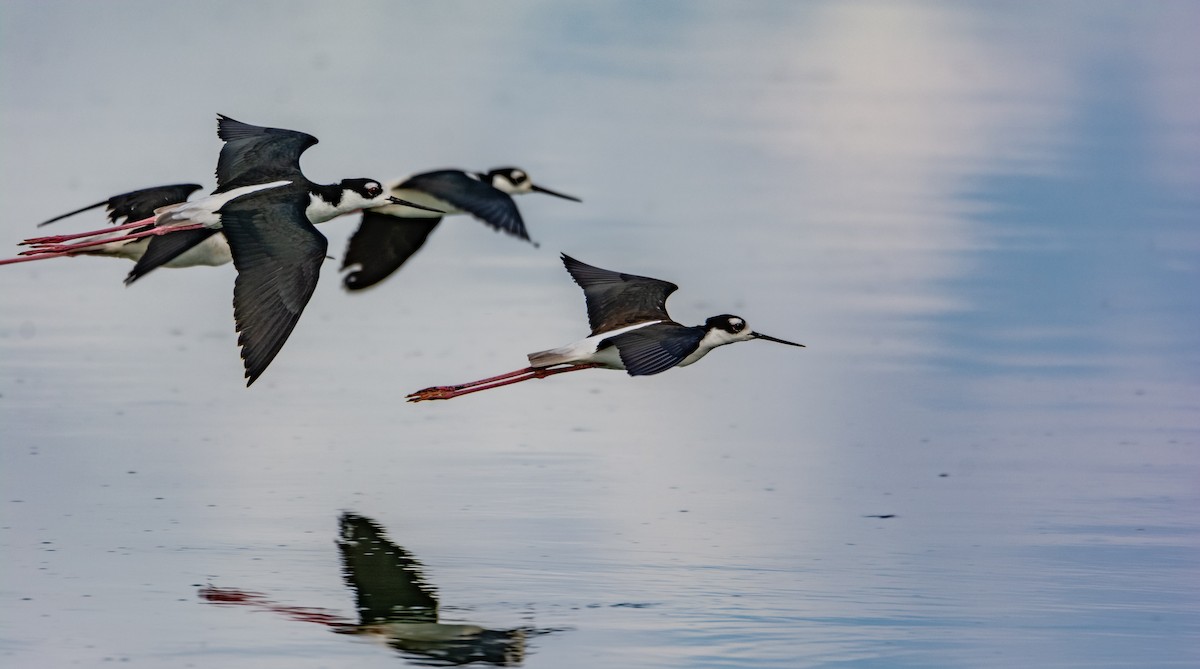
{"type": "Point", "coordinates": [586, 351]}
{"type": "Point", "coordinates": [712, 339]}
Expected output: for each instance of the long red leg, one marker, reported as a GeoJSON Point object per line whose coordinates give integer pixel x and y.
{"type": "Point", "coordinates": [29, 258]}
{"type": "Point", "coordinates": [450, 392]}
{"type": "Point", "coordinates": [491, 379]}
{"type": "Point", "coordinates": [58, 239]}
{"type": "Point", "coordinates": [429, 393]}
{"type": "Point", "coordinates": [70, 248]}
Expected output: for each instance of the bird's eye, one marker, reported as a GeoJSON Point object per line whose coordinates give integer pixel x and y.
{"type": "Point", "coordinates": [737, 325]}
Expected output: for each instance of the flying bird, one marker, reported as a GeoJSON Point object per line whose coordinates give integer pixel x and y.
{"type": "Point", "coordinates": [389, 235]}
{"type": "Point", "coordinates": [266, 208]}
{"type": "Point", "coordinates": [631, 330]}
{"type": "Point", "coordinates": [138, 205]}
{"type": "Point", "coordinates": [276, 248]}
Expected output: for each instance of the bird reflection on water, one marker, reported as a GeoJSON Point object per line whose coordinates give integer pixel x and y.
{"type": "Point", "coordinates": [396, 605]}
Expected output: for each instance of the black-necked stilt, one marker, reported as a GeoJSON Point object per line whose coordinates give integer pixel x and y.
{"type": "Point", "coordinates": [631, 330]}
{"type": "Point", "coordinates": [148, 244]}
{"type": "Point", "coordinates": [276, 248]}
{"type": "Point", "coordinates": [266, 208]}
{"type": "Point", "coordinates": [391, 234]}
{"type": "Point", "coordinates": [138, 205]}
{"type": "Point", "coordinates": [122, 211]}
{"type": "Point", "coordinates": [135, 205]}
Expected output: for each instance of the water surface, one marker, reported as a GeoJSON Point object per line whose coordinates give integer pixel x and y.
{"type": "Point", "coordinates": [982, 220]}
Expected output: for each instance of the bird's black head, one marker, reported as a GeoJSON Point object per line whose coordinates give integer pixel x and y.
{"type": "Point", "coordinates": [344, 197]}
{"type": "Point", "coordinates": [367, 188]}
{"type": "Point", "coordinates": [509, 179]}
{"type": "Point", "coordinates": [727, 322]}
{"type": "Point", "coordinates": [514, 181]}
{"type": "Point", "coordinates": [727, 328]}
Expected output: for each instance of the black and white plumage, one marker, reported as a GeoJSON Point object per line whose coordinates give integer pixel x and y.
{"type": "Point", "coordinates": [198, 247]}
{"type": "Point", "coordinates": [196, 215]}
{"type": "Point", "coordinates": [250, 154]}
{"type": "Point", "coordinates": [631, 331]}
{"type": "Point", "coordinates": [276, 248]}
{"type": "Point", "coordinates": [254, 154]}
{"type": "Point", "coordinates": [135, 205]}
{"type": "Point", "coordinates": [266, 208]}
{"type": "Point", "coordinates": [125, 211]}
{"type": "Point", "coordinates": [389, 235]}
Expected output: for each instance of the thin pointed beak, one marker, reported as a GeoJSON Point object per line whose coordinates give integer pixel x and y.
{"type": "Point", "coordinates": [396, 200]}
{"type": "Point", "coordinates": [759, 335]}
{"type": "Point", "coordinates": [538, 189]}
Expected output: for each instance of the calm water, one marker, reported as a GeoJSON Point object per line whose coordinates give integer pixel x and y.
{"type": "Point", "coordinates": [982, 220]}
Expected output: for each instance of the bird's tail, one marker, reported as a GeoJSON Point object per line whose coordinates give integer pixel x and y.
{"type": "Point", "coordinates": [551, 357]}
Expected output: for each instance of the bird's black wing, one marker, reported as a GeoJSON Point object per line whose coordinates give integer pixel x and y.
{"type": "Point", "coordinates": [381, 245]}
{"type": "Point", "coordinates": [278, 256]}
{"type": "Point", "coordinates": [490, 205]}
{"type": "Point", "coordinates": [387, 580]}
{"type": "Point", "coordinates": [162, 249]}
{"type": "Point", "coordinates": [615, 300]}
{"type": "Point", "coordinates": [254, 155]}
{"type": "Point", "coordinates": [656, 348]}
{"type": "Point", "coordinates": [138, 204]}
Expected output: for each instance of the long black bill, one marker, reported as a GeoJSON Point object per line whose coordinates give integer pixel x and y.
{"type": "Point", "coordinates": [396, 200]}
{"type": "Point", "coordinates": [759, 335]}
{"type": "Point", "coordinates": [547, 191]}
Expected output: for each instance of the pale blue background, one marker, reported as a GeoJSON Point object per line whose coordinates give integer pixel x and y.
{"type": "Point", "coordinates": [980, 217]}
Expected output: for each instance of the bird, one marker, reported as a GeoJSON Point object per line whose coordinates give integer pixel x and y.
{"type": "Point", "coordinates": [389, 235]}
{"type": "Point", "coordinates": [266, 208]}
{"type": "Point", "coordinates": [122, 209]}
{"type": "Point", "coordinates": [183, 219]}
{"type": "Point", "coordinates": [276, 249]}
{"type": "Point", "coordinates": [139, 205]}
{"type": "Point", "coordinates": [135, 205]}
{"type": "Point", "coordinates": [631, 331]}
{"type": "Point", "coordinates": [152, 248]}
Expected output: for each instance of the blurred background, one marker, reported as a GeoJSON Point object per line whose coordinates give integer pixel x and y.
{"type": "Point", "coordinates": [981, 218]}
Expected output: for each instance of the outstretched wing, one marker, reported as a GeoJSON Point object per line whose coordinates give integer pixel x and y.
{"type": "Point", "coordinates": [381, 245]}
{"type": "Point", "coordinates": [253, 154]}
{"type": "Point", "coordinates": [278, 256]}
{"type": "Point", "coordinates": [656, 348]}
{"type": "Point", "coordinates": [387, 580]}
{"type": "Point", "coordinates": [138, 204]}
{"type": "Point", "coordinates": [490, 205]}
{"type": "Point", "coordinates": [615, 300]}
{"type": "Point", "coordinates": [162, 249]}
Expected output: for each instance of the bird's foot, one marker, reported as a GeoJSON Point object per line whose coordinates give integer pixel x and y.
{"type": "Point", "coordinates": [433, 393]}
{"type": "Point", "coordinates": [39, 249]}
{"type": "Point", "coordinates": [51, 239]}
